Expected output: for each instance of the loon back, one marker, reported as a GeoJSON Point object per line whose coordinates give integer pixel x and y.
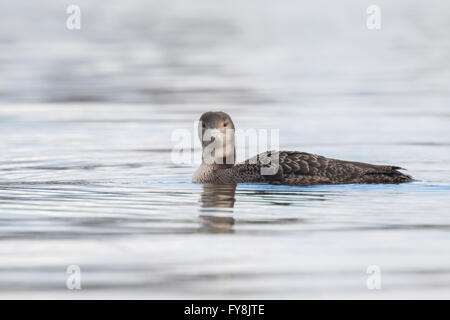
{"type": "Point", "coordinates": [301, 168]}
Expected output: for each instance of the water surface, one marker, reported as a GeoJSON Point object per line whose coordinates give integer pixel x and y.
{"type": "Point", "coordinates": [94, 186]}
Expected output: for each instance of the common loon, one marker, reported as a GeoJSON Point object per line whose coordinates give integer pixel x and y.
{"type": "Point", "coordinates": [292, 168]}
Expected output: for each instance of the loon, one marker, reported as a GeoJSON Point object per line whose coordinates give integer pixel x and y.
{"type": "Point", "coordinates": [281, 167]}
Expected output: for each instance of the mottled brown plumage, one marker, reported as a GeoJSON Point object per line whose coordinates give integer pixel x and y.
{"type": "Point", "coordinates": [293, 167]}
{"type": "Point", "coordinates": [301, 168]}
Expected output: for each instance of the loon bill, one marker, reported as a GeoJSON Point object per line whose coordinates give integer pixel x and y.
{"type": "Point", "coordinates": [282, 167]}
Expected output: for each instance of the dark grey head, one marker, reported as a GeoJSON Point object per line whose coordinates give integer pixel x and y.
{"type": "Point", "coordinates": [217, 127]}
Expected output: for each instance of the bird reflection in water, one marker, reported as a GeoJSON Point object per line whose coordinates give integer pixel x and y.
{"type": "Point", "coordinates": [216, 199]}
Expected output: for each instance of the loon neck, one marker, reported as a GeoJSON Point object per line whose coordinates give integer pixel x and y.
{"type": "Point", "coordinates": [216, 166]}
{"type": "Point", "coordinates": [218, 163]}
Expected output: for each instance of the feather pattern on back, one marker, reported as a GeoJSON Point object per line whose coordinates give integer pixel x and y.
{"type": "Point", "coordinates": [301, 168]}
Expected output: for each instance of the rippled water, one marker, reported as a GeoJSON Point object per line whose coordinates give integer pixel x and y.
{"type": "Point", "coordinates": [92, 184]}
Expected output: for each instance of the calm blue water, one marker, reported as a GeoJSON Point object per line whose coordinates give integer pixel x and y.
{"type": "Point", "coordinates": [86, 176]}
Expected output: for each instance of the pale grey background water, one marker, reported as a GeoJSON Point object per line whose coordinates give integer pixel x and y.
{"type": "Point", "coordinates": [86, 119]}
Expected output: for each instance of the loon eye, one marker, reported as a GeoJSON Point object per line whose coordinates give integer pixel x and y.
{"type": "Point", "coordinates": [204, 125]}
{"type": "Point", "coordinates": [225, 124]}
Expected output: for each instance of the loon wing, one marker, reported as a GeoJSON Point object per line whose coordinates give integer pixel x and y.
{"type": "Point", "coordinates": [301, 168]}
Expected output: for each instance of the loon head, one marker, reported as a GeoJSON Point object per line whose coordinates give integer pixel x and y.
{"type": "Point", "coordinates": [216, 133]}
